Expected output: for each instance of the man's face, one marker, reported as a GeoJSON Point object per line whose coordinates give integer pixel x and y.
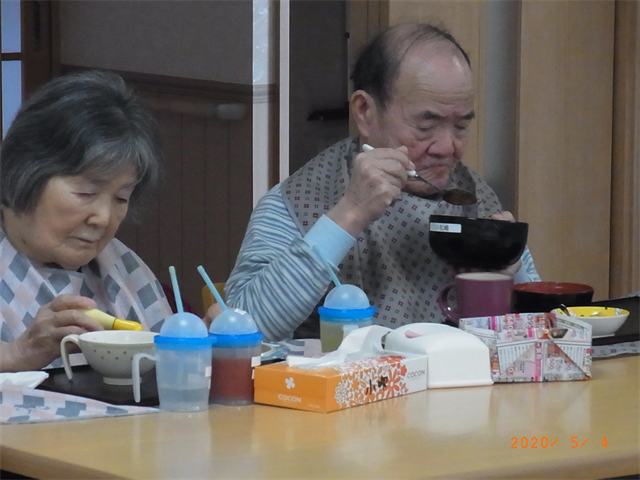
{"type": "Point", "coordinates": [429, 112]}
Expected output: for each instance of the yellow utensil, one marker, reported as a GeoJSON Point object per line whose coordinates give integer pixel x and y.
{"type": "Point", "coordinates": [112, 323]}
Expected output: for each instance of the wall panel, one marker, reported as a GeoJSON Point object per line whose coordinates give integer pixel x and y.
{"type": "Point", "coordinates": [565, 114]}
{"type": "Point", "coordinates": [625, 199]}
{"type": "Point", "coordinates": [202, 208]}
{"type": "Point", "coordinates": [217, 211]}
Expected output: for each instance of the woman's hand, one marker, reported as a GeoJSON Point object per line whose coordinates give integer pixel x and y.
{"type": "Point", "coordinates": [39, 345]}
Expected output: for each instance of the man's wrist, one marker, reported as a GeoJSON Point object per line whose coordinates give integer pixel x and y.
{"type": "Point", "coordinates": [521, 275]}
{"type": "Point", "coordinates": [347, 218]}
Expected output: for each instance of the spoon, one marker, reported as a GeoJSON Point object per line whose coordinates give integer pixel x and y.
{"type": "Point", "coordinates": [566, 311]}
{"type": "Point", "coordinates": [454, 196]}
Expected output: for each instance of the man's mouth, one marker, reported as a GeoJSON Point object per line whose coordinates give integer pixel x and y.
{"type": "Point", "coordinates": [434, 173]}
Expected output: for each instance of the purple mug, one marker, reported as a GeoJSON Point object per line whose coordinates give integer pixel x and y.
{"type": "Point", "coordinates": [479, 294]}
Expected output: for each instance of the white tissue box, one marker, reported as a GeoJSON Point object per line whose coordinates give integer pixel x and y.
{"type": "Point", "coordinates": [455, 358]}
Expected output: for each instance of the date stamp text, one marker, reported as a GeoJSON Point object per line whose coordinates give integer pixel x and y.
{"type": "Point", "coordinates": [544, 442]}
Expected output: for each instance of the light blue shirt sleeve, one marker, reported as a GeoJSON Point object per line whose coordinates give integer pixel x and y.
{"type": "Point", "coordinates": [279, 279]}
{"type": "Point", "coordinates": [527, 272]}
{"type": "Point", "coordinates": [331, 240]}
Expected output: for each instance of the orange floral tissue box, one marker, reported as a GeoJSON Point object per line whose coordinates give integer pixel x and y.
{"type": "Point", "coordinates": [340, 386]}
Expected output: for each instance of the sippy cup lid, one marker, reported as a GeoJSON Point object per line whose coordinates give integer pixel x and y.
{"type": "Point", "coordinates": [233, 321]}
{"type": "Point", "coordinates": [236, 341]}
{"type": "Point", "coordinates": [183, 331]}
{"type": "Point", "coordinates": [183, 325]}
{"type": "Point", "coordinates": [234, 328]}
{"type": "Point", "coordinates": [345, 314]}
{"type": "Point", "coordinates": [346, 297]}
{"type": "Point", "coordinates": [346, 303]}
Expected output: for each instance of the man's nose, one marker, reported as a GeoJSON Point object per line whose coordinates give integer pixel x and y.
{"type": "Point", "coordinates": [443, 145]}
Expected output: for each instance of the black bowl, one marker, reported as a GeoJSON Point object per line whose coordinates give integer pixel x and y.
{"type": "Point", "coordinates": [479, 243]}
{"type": "Point", "coordinates": [546, 296]}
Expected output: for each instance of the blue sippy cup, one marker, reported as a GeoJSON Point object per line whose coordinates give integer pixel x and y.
{"type": "Point", "coordinates": [345, 309]}
{"type": "Point", "coordinates": [236, 348]}
{"type": "Point", "coordinates": [183, 364]}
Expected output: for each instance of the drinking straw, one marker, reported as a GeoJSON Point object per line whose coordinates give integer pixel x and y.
{"type": "Point", "coordinates": [212, 287]}
{"type": "Point", "coordinates": [327, 266]}
{"type": "Point", "coordinates": [176, 289]}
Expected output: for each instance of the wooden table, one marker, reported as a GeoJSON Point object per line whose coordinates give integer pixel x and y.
{"type": "Point", "coordinates": [463, 432]}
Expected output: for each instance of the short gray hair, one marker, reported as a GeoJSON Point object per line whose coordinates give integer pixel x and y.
{"type": "Point", "coordinates": [85, 122]}
{"type": "Point", "coordinates": [378, 64]}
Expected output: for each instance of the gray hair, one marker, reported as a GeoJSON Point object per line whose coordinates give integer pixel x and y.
{"type": "Point", "coordinates": [378, 65]}
{"type": "Point", "coordinates": [87, 123]}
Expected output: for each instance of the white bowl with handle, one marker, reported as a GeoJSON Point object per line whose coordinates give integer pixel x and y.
{"type": "Point", "coordinates": [111, 352]}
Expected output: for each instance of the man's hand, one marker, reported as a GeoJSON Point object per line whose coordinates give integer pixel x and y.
{"type": "Point", "coordinates": [376, 181]}
{"type": "Point", "coordinates": [511, 269]}
{"type": "Point", "coordinates": [508, 217]}
{"type": "Point", "coordinates": [39, 345]}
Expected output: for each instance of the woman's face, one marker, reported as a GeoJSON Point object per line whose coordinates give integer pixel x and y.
{"type": "Point", "coordinates": [74, 220]}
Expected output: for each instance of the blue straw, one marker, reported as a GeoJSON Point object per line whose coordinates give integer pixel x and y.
{"type": "Point", "coordinates": [327, 266]}
{"type": "Point", "coordinates": [176, 289]}
{"type": "Point", "coordinates": [212, 287]}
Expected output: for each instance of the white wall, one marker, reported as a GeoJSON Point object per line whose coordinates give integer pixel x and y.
{"type": "Point", "coordinates": [205, 40]}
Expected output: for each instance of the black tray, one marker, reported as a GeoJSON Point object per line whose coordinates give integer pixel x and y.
{"type": "Point", "coordinates": [88, 383]}
{"type": "Point", "coordinates": [630, 329]}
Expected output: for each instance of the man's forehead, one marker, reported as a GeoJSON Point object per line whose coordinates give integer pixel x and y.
{"type": "Point", "coordinates": [434, 102]}
{"type": "Point", "coordinates": [434, 61]}
{"type": "Point", "coordinates": [433, 48]}
{"type": "Point", "coordinates": [432, 115]}
{"type": "Point", "coordinates": [436, 83]}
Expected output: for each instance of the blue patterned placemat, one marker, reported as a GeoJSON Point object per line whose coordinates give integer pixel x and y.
{"type": "Point", "coordinates": [19, 404]}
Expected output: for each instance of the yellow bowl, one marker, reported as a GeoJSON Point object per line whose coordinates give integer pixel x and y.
{"type": "Point", "coordinates": [603, 320]}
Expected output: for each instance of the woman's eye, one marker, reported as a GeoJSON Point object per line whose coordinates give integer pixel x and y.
{"type": "Point", "coordinates": [122, 200]}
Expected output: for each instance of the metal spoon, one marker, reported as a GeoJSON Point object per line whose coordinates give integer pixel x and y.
{"type": "Point", "coordinates": [566, 311]}
{"type": "Point", "coordinates": [454, 196]}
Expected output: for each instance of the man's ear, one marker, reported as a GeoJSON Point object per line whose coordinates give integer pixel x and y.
{"type": "Point", "coordinates": [363, 111]}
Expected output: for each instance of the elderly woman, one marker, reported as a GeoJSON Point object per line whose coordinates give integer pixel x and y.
{"type": "Point", "coordinates": [81, 154]}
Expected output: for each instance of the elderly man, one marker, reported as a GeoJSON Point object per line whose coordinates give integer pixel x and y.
{"type": "Point", "coordinates": [413, 102]}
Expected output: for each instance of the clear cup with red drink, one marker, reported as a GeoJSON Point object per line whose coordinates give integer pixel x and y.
{"type": "Point", "coordinates": [236, 349]}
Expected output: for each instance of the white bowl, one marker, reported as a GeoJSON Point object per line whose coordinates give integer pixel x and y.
{"type": "Point", "coordinates": [111, 352]}
{"type": "Point", "coordinates": [605, 321]}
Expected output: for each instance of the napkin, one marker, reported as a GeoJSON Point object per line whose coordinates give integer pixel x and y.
{"type": "Point", "coordinates": [26, 379]}
{"type": "Point", "coordinates": [22, 404]}
{"type": "Point", "coordinates": [361, 343]}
